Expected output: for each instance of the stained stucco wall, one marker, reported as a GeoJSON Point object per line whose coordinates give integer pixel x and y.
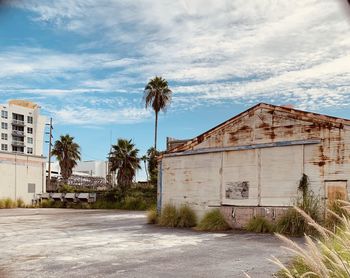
{"type": "Point", "coordinates": [261, 176]}
{"type": "Point", "coordinates": [17, 171]}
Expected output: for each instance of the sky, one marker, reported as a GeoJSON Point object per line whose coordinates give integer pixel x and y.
{"type": "Point", "coordinates": [87, 62]}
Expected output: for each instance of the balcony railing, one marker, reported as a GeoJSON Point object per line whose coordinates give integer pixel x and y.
{"type": "Point", "coordinates": [18, 143]}
{"type": "Point", "coordinates": [18, 133]}
{"type": "Point", "coordinates": [21, 152]}
{"type": "Point", "coordinates": [18, 122]}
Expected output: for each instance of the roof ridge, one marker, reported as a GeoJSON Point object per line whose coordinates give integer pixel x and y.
{"type": "Point", "coordinates": [320, 117]}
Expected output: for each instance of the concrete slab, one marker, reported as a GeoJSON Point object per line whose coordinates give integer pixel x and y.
{"type": "Point", "coordinates": [105, 243]}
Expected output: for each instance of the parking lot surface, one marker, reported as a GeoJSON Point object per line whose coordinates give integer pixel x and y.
{"type": "Point", "coordinates": [109, 243]}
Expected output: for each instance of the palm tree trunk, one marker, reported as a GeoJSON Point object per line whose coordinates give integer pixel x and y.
{"type": "Point", "coordinates": [155, 132]}
{"type": "Point", "coordinates": [146, 170]}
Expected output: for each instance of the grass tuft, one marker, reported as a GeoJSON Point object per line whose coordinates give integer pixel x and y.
{"type": "Point", "coordinates": [46, 204]}
{"type": "Point", "coordinates": [134, 203]}
{"type": "Point", "coordinates": [328, 256]}
{"type": "Point", "coordinates": [213, 221]}
{"type": "Point", "coordinates": [292, 223]}
{"type": "Point", "coordinates": [335, 214]}
{"type": "Point", "coordinates": [9, 203]}
{"type": "Point", "coordinates": [20, 203]}
{"type": "Point", "coordinates": [259, 224]}
{"type": "Point", "coordinates": [169, 216]}
{"type": "Point", "coordinates": [152, 216]}
{"type": "Point", "coordinates": [187, 217]}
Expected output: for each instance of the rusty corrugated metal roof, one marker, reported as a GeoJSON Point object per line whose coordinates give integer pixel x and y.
{"type": "Point", "coordinates": [310, 116]}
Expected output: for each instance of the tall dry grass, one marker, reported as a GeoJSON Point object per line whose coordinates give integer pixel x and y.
{"type": "Point", "coordinates": [327, 256]}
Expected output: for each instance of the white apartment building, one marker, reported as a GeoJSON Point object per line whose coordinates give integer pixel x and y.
{"type": "Point", "coordinates": [22, 128]}
{"type": "Point", "coordinates": [22, 164]}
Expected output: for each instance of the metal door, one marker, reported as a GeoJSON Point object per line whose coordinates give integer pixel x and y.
{"type": "Point", "coordinates": [336, 190]}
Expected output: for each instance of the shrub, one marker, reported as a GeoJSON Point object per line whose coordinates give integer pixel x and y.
{"type": "Point", "coordinates": [169, 216]}
{"type": "Point", "coordinates": [335, 214]}
{"type": "Point", "coordinates": [134, 203]}
{"type": "Point", "coordinates": [113, 195]}
{"type": "Point", "coordinates": [2, 203]}
{"type": "Point", "coordinates": [213, 221]}
{"type": "Point", "coordinates": [296, 266]}
{"type": "Point", "coordinates": [9, 203]}
{"type": "Point", "coordinates": [187, 217]}
{"type": "Point", "coordinates": [85, 205]}
{"type": "Point", "coordinates": [259, 224]}
{"type": "Point", "coordinates": [103, 204]}
{"type": "Point", "coordinates": [46, 203]}
{"type": "Point", "coordinates": [292, 223]}
{"type": "Point", "coordinates": [152, 216]}
{"type": "Point", "coordinates": [66, 189]}
{"type": "Point", "coordinates": [329, 256]}
{"type": "Point", "coordinates": [20, 203]}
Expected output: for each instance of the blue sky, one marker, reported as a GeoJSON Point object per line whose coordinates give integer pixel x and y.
{"type": "Point", "coordinates": [86, 62]}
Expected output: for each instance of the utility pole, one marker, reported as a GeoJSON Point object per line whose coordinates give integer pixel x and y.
{"type": "Point", "coordinates": [50, 145]}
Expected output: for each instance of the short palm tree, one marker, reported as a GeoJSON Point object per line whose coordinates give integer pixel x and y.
{"type": "Point", "coordinates": [144, 160]}
{"type": "Point", "coordinates": [67, 153]}
{"type": "Point", "coordinates": [152, 154]}
{"type": "Point", "coordinates": [123, 159]}
{"type": "Point", "coordinates": [158, 95]}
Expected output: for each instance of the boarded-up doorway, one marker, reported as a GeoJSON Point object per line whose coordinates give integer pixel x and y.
{"type": "Point", "coordinates": [336, 190]}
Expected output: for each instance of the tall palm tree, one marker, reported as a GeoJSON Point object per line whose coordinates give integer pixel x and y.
{"type": "Point", "coordinates": [123, 158]}
{"type": "Point", "coordinates": [158, 95]}
{"type": "Point", "coordinates": [67, 153]}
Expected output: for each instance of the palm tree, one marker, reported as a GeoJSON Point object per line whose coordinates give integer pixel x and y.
{"type": "Point", "coordinates": [67, 153]}
{"type": "Point", "coordinates": [124, 159]}
{"type": "Point", "coordinates": [144, 158]}
{"type": "Point", "coordinates": [152, 154]}
{"type": "Point", "coordinates": [158, 95]}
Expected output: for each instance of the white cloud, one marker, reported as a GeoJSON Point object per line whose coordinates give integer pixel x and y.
{"type": "Point", "coordinates": [82, 115]}
{"type": "Point", "coordinates": [209, 50]}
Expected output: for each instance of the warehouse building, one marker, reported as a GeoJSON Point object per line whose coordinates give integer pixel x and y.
{"type": "Point", "coordinates": [22, 164]}
{"type": "Point", "coordinates": [252, 163]}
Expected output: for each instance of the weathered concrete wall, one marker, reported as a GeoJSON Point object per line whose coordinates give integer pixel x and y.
{"type": "Point", "coordinates": [194, 181]}
{"type": "Point", "coordinates": [17, 171]}
{"type": "Point", "coordinates": [239, 217]}
{"type": "Point", "coordinates": [259, 176]}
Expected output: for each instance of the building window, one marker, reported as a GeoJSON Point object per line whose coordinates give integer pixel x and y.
{"type": "Point", "coordinates": [31, 187]}
{"type": "Point", "coordinates": [16, 149]}
{"type": "Point", "coordinates": [3, 147]}
{"type": "Point", "coordinates": [4, 114]}
{"type": "Point", "coordinates": [4, 136]}
{"type": "Point", "coordinates": [30, 130]}
{"type": "Point", "coordinates": [4, 125]}
{"type": "Point", "coordinates": [30, 140]}
{"type": "Point", "coordinates": [30, 150]}
{"type": "Point", "coordinates": [30, 119]}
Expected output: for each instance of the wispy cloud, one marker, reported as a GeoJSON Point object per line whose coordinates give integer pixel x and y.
{"type": "Point", "coordinates": [210, 51]}
{"type": "Point", "coordinates": [82, 115]}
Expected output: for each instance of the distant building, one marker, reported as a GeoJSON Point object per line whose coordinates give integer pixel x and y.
{"type": "Point", "coordinates": [93, 168]}
{"type": "Point", "coordinates": [22, 165]}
